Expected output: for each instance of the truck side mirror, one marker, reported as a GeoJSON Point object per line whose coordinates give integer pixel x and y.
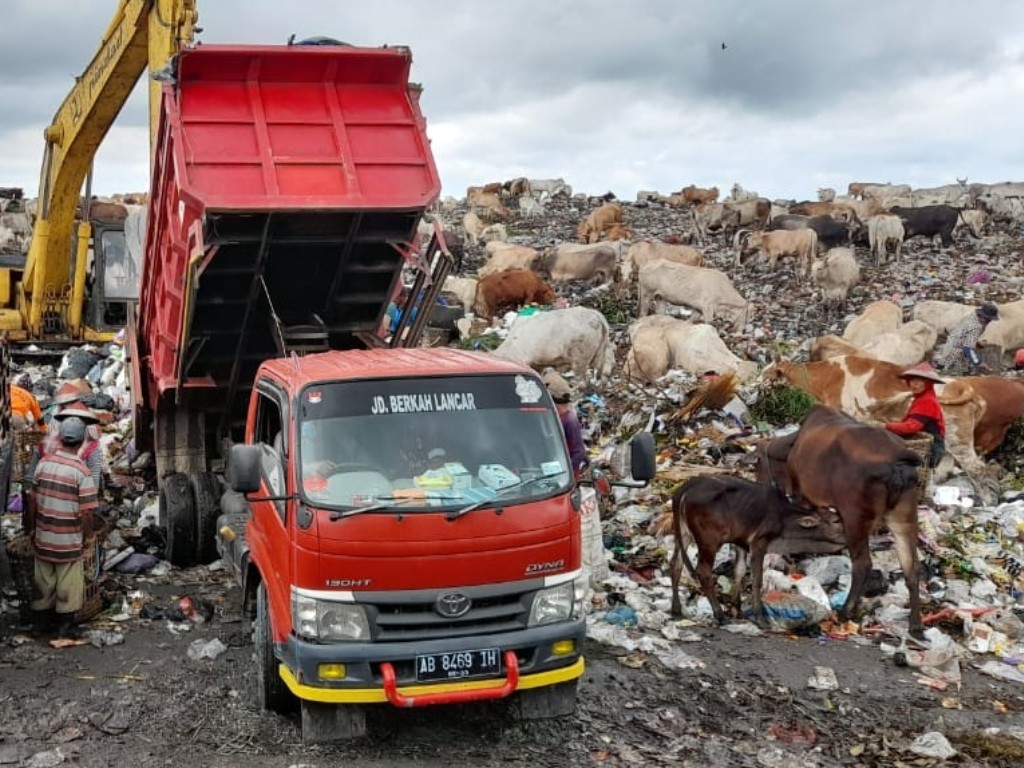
{"type": "Point", "coordinates": [641, 457]}
{"type": "Point", "coordinates": [244, 468]}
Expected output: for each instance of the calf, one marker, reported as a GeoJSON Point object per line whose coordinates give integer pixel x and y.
{"type": "Point", "coordinates": [728, 510]}
{"type": "Point", "coordinates": [799, 243]}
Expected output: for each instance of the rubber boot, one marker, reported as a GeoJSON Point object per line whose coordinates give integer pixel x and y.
{"type": "Point", "coordinates": [67, 629]}
{"type": "Point", "coordinates": [43, 622]}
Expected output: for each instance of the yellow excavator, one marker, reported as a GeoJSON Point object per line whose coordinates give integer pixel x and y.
{"type": "Point", "coordinates": [60, 294]}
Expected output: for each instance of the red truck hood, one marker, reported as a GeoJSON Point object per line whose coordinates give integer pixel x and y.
{"type": "Point", "coordinates": [425, 551]}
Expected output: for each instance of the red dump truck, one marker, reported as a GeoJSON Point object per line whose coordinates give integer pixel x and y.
{"type": "Point", "coordinates": [403, 522]}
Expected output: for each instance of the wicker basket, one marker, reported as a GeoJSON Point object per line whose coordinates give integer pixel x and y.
{"type": "Point", "coordinates": [25, 443]}
{"type": "Point", "coordinates": [921, 444]}
{"type": "Point", "coordinates": [21, 554]}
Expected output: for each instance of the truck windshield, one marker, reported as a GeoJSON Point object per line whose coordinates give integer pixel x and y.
{"type": "Point", "coordinates": [420, 444]}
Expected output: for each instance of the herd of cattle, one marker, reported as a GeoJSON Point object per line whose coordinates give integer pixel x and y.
{"type": "Point", "coordinates": [856, 371]}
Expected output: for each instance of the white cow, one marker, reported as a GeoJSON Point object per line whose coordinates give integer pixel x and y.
{"type": "Point", "coordinates": [877, 318]}
{"type": "Point", "coordinates": [504, 256]}
{"type": "Point", "coordinates": [576, 338]}
{"type": "Point", "coordinates": [659, 342]}
{"type": "Point", "coordinates": [545, 188]}
{"type": "Point", "coordinates": [707, 290]}
{"type": "Point", "coordinates": [907, 345]}
{"type": "Point", "coordinates": [885, 231]}
{"type": "Point", "coordinates": [463, 288]}
{"type": "Point", "coordinates": [943, 316]}
{"type": "Point", "coordinates": [473, 226]}
{"type": "Point", "coordinates": [645, 251]}
{"type": "Point", "coordinates": [837, 272]}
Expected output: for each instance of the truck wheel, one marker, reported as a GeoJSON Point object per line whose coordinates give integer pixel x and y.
{"type": "Point", "coordinates": [326, 723]}
{"type": "Point", "coordinates": [178, 515]}
{"type": "Point", "coordinates": [557, 700]}
{"type": "Point", "coordinates": [271, 691]}
{"type": "Point", "coordinates": [207, 490]}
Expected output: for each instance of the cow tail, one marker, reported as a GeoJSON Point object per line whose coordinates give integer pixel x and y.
{"type": "Point", "coordinates": [678, 513]}
{"type": "Point", "coordinates": [600, 361]}
{"type": "Point", "coordinates": [902, 476]}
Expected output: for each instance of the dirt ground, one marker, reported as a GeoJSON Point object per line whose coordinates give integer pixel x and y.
{"type": "Point", "coordinates": [146, 703]}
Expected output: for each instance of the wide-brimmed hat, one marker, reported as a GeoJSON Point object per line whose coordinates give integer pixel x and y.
{"type": "Point", "coordinates": [74, 391]}
{"type": "Point", "coordinates": [82, 413]}
{"type": "Point", "coordinates": [922, 371]}
{"type": "Point", "coordinates": [436, 453]}
{"type": "Point", "coordinates": [557, 386]}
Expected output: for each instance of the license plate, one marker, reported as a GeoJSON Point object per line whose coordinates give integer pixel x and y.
{"type": "Point", "coordinates": [457, 665]}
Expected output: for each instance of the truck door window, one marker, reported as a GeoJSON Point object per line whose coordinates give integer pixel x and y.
{"type": "Point", "coordinates": [270, 436]}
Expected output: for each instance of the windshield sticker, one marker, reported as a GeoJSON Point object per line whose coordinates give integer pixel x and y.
{"type": "Point", "coordinates": [549, 468]}
{"type": "Point", "coordinates": [423, 403]}
{"type": "Point", "coordinates": [314, 396]}
{"type": "Point", "coordinates": [529, 390]}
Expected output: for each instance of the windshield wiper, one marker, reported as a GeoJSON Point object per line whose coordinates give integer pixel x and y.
{"type": "Point", "coordinates": [387, 502]}
{"type": "Point", "coordinates": [503, 492]}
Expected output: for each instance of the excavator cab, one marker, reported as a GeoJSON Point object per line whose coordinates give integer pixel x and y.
{"type": "Point", "coordinates": [113, 278]}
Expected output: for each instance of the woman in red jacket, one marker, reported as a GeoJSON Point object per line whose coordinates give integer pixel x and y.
{"type": "Point", "coordinates": [925, 413]}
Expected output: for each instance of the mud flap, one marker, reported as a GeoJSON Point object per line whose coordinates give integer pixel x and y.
{"type": "Point", "coordinates": [551, 701]}
{"type": "Point", "coordinates": [326, 723]}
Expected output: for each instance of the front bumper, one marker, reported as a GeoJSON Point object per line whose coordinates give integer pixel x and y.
{"type": "Point", "coordinates": [537, 665]}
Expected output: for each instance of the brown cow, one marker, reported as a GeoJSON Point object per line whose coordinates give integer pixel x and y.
{"type": "Point", "coordinates": [868, 476]}
{"type": "Point", "coordinates": [850, 383]}
{"type": "Point", "coordinates": [510, 290]}
{"type": "Point", "coordinates": [1003, 404]}
{"type": "Point", "coordinates": [693, 195]}
{"type": "Point", "coordinates": [601, 219]}
{"type": "Point", "coordinates": [754, 516]}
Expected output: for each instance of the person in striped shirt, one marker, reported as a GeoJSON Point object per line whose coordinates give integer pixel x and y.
{"type": "Point", "coordinates": [65, 497]}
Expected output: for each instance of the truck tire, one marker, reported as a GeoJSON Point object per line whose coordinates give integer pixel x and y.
{"type": "Point", "coordinates": [207, 491]}
{"type": "Point", "coordinates": [557, 700]}
{"type": "Point", "coordinates": [271, 692]}
{"type": "Point", "coordinates": [177, 514]}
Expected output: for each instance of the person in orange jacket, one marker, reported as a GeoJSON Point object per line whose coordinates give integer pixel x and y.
{"type": "Point", "coordinates": [25, 410]}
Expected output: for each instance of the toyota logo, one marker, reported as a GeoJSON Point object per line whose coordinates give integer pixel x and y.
{"type": "Point", "coordinates": [452, 605]}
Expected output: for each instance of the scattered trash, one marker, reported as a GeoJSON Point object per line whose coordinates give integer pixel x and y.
{"type": "Point", "coordinates": [205, 649]}
{"type": "Point", "coordinates": [933, 744]}
{"type": "Point", "coordinates": [823, 679]}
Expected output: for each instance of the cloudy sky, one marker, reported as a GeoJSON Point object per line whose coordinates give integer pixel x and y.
{"type": "Point", "coordinates": [614, 95]}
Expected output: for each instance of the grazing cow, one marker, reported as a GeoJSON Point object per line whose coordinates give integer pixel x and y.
{"type": "Point", "coordinates": [693, 195]}
{"type": "Point", "coordinates": [706, 290]}
{"type": "Point", "coordinates": [517, 188]}
{"type": "Point", "coordinates": [646, 250]}
{"type": "Point", "coordinates": [1003, 404]}
{"type": "Point", "coordinates": [721, 510]}
{"type": "Point", "coordinates": [885, 231]}
{"type": "Point", "coordinates": [739, 195]}
{"type": "Point", "coordinates": [487, 204]}
{"type": "Point", "coordinates": [494, 233]}
{"type": "Point", "coordinates": [503, 256]}
{"type": "Point", "coordinates": [716, 217]}
{"type": "Point", "coordinates": [879, 191]}
{"type": "Point", "coordinates": [659, 342]}
{"type": "Point", "coordinates": [618, 232]}
{"type": "Point", "coordinates": [566, 262]}
{"type": "Point", "coordinates": [869, 477]}
{"type": "Point", "coordinates": [649, 196]}
{"type": "Point", "coordinates": [826, 195]}
{"type": "Point", "coordinates": [544, 188]}
{"type": "Point", "coordinates": [850, 383]}
{"type": "Point", "coordinates": [835, 211]}
{"type": "Point", "coordinates": [877, 318]}
{"type": "Point", "coordinates": [908, 345]}
{"type": "Point", "coordinates": [943, 316]}
{"type": "Point", "coordinates": [510, 290]}
{"type": "Point", "coordinates": [836, 273]}
{"type": "Point", "coordinates": [973, 220]}
{"type": "Point", "coordinates": [473, 227]}
{"type": "Point", "coordinates": [929, 221]}
{"type": "Point", "coordinates": [802, 244]}
{"type": "Point", "coordinates": [592, 227]}
{"type": "Point", "coordinates": [751, 213]}
{"type": "Point", "coordinates": [463, 289]}
{"type": "Point", "coordinates": [947, 194]}
{"type": "Point", "coordinates": [1003, 209]}
{"type": "Point", "coordinates": [576, 338]}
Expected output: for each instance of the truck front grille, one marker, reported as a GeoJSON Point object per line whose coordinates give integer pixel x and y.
{"type": "Point", "coordinates": [404, 621]}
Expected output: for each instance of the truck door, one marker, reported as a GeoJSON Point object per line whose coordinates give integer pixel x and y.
{"type": "Point", "coordinates": [271, 517]}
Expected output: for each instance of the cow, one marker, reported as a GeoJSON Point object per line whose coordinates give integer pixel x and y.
{"type": "Point", "coordinates": [503, 256]}
{"type": "Point", "coordinates": [869, 477]}
{"type": "Point", "coordinates": [517, 188]}
{"type": "Point", "coordinates": [973, 220]}
{"type": "Point", "coordinates": [829, 346]}
{"type": "Point", "coordinates": [646, 250]}
{"type": "Point", "coordinates": [659, 342]}
{"type": "Point", "coordinates": [1003, 401]}
{"type": "Point", "coordinates": [877, 318]}
{"type": "Point", "coordinates": [826, 195]}
{"type": "Point", "coordinates": [929, 221]}
{"type": "Point", "coordinates": [473, 227]}
{"type": "Point", "coordinates": [878, 191]}
{"type": "Point", "coordinates": [463, 289]}
{"type": "Point", "coordinates": [576, 338]}
{"type": "Point", "coordinates": [618, 232]}
{"type": "Point", "coordinates": [596, 263]}
{"type": "Point", "coordinates": [885, 231]}
{"type": "Point", "coordinates": [720, 510]}
{"type": "Point", "coordinates": [836, 211]}
{"type": "Point", "coordinates": [907, 345]}
{"type": "Point", "coordinates": [739, 195]}
{"type": "Point", "coordinates": [591, 228]}
{"type": "Point", "coordinates": [752, 213]}
{"type": "Point", "coordinates": [716, 217]}
{"type": "Point", "coordinates": [831, 233]}
{"type": "Point", "coordinates": [693, 195]}
{"type": "Point", "coordinates": [802, 244]}
{"type": "Point", "coordinates": [947, 194]}
{"type": "Point", "coordinates": [943, 316]}
{"type": "Point", "coordinates": [836, 273]}
{"type": "Point", "coordinates": [487, 204]}
{"type": "Point", "coordinates": [1002, 209]}
{"type": "Point", "coordinates": [510, 290]}
{"type": "Point", "coordinates": [545, 188]}
{"type": "Point", "coordinates": [707, 290]}
{"type": "Point", "coordinates": [851, 383]}
{"type": "Point", "coordinates": [494, 233]}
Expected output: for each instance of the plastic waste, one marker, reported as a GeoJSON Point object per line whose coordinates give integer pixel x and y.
{"type": "Point", "coordinates": [810, 587]}
{"type": "Point", "coordinates": [200, 649]}
{"type": "Point", "coordinates": [1002, 671]}
{"type": "Point", "coordinates": [791, 610]}
{"type": "Point", "coordinates": [933, 744]}
{"type": "Point", "coordinates": [622, 616]}
{"type": "Point", "coordinates": [827, 570]}
{"type": "Point", "coordinates": [823, 679]}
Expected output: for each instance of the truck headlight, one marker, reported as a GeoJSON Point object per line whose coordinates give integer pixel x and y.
{"type": "Point", "coordinates": [553, 604]}
{"type": "Point", "coordinates": [328, 620]}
